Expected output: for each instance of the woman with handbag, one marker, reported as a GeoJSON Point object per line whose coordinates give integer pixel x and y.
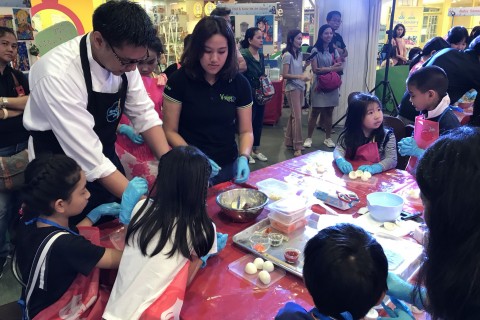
{"type": "Point", "coordinates": [13, 156]}
{"type": "Point", "coordinates": [255, 60]}
{"type": "Point", "coordinates": [324, 94]}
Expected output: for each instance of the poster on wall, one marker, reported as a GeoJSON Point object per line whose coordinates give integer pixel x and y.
{"type": "Point", "coordinates": [22, 59]}
{"type": "Point", "coordinates": [6, 21]}
{"type": "Point", "coordinates": [16, 3]}
{"type": "Point", "coordinates": [23, 24]}
{"type": "Point", "coordinates": [412, 19]}
{"type": "Point", "coordinates": [265, 24]}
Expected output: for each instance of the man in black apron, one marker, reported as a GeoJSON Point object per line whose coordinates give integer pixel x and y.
{"type": "Point", "coordinates": [113, 58]}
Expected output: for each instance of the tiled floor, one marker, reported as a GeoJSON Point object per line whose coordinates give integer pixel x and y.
{"type": "Point", "coordinates": [271, 146]}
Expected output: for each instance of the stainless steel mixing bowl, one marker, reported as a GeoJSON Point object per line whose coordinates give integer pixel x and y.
{"type": "Point", "coordinates": [250, 201]}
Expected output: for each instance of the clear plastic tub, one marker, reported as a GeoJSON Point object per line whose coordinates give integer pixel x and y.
{"type": "Point", "coordinates": [292, 205]}
{"type": "Point", "coordinates": [276, 189]}
{"type": "Point", "coordinates": [287, 218]}
{"type": "Point", "coordinates": [286, 227]}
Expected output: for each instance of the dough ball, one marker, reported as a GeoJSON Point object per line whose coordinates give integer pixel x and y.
{"type": "Point", "coordinates": [264, 276]}
{"type": "Point", "coordinates": [258, 262]}
{"type": "Point", "coordinates": [367, 174]}
{"type": "Point", "coordinates": [352, 175]}
{"type": "Point", "coordinates": [364, 178]}
{"type": "Point", "coordinates": [359, 173]}
{"type": "Point", "coordinates": [320, 169]}
{"type": "Point", "coordinates": [268, 266]}
{"type": "Point", "coordinates": [250, 268]}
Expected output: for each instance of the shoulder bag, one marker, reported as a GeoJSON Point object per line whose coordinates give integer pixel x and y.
{"type": "Point", "coordinates": [329, 81]}
{"type": "Point", "coordinates": [265, 91]}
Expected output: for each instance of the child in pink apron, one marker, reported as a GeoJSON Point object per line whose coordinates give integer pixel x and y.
{"type": "Point", "coordinates": [136, 157]}
{"type": "Point", "coordinates": [428, 93]}
{"type": "Point", "coordinates": [364, 137]}
{"type": "Point", "coordinates": [58, 264]}
{"type": "Point", "coordinates": [168, 234]}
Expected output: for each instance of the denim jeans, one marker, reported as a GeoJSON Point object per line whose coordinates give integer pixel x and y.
{"type": "Point", "coordinates": [9, 203]}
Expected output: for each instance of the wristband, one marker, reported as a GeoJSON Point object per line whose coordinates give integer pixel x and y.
{"type": "Point", "coordinates": [5, 113]}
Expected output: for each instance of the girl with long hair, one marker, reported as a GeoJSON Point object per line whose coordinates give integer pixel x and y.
{"type": "Point", "coordinates": [399, 50]}
{"type": "Point", "coordinates": [364, 137]}
{"type": "Point", "coordinates": [292, 70]}
{"type": "Point", "coordinates": [431, 47]}
{"type": "Point", "coordinates": [167, 235]}
{"type": "Point", "coordinates": [326, 60]}
{"type": "Point", "coordinates": [207, 98]}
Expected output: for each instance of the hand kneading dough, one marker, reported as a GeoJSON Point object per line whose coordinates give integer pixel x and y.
{"type": "Point", "coordinates": [264, 276]}
{"type": "Point", "coordinates": [250, 268]}
{"type": "Point", "coordinates": [258, 262]}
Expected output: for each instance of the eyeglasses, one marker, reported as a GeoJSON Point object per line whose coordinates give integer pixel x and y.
{"type": "Point", "coordinates": [126, 62]}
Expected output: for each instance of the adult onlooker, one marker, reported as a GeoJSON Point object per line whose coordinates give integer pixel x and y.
{"type": "Point", "coordinates": [207, 97]}
{"type": "Point", "coordinates": [225, 14]}
{"type": "Point", "coordinates": [251, 46]}
{"type": "Point", "coordinates": [448, 175]}
{"type": "Point", "coordinates": [292, 71]}
{"type": "Point", "coordinates": [14, 93]}
{"type": "Point", "coordinates": [334, 19]}
{"type": "Point", "coordinates": [80, 90]}
{"type": "Point", "coordinates": [326, 60]}
{"type": "Point", "coordinates": [463, 72]}
{"type": "Point", "coordinates": [398, 46]}
{"type": "Point", "coordinates": [457, 37]}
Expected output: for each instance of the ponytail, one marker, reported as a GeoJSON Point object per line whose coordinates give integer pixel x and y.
{"type": "Point", "coordinates": [47, 179]}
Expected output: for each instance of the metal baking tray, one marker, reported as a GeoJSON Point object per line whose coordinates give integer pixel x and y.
{"type": "Point", "coordinates": [404, 256]}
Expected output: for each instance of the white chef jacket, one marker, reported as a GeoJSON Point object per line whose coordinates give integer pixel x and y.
{"type": "Point", "coordinates": [58, 102]}
{"type": "Point", "coordinates": [142, 279]}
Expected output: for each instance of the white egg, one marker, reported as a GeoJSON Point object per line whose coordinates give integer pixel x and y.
{"type": "Point", "coordinates": [250, 268]}
{"type": "Point", "coordinates": [258, 263]}
{"type": "Point", "coordinates": [268, 266]}
{"type": "Point", "coordinates": [359, 173]}
{"type": "Point", "coordinates": [264, 276]}
{"type": "Point", "coordinates": [352, 175]}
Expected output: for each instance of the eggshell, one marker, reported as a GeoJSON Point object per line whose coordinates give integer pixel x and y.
{"type": "Point", "coordinates": [352, 175]}
{"type": "Point", "coordinates": [264, 276]}
{"type": "Point", "coordinates": [258, 262]}
{"type": "Point", "coordinates": [250, 268]}
{"type": "Point", "coordinates": [268, 266]}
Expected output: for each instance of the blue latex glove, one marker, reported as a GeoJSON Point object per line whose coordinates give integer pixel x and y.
{"type": "Point", "coordinates": [401, 312]}
{"type": "Point", "coordinates": [243, 171]}
{"type": "Point", "coordinates": [215, 168]}
{"type": "Point", "coordinates": [136, 188]}
{"type": "Point", "coordinates": [106, 209]}
{"type": "Point", "coordinates": [401, 289]}
{"type": "Point", "coordinates": [408, 147]}
{"type": "Point", "coordinates": [221, 243]}
{"type": "Point", "coordinates": [471, 95]}
{"type": "Point", "coordinates": [373, 169]}
{"type": "Point", "coordinates": [130, 133]}
{"type": "Point", "coordinates": [344, 165]}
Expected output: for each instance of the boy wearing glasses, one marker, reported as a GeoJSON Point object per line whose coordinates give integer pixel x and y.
{"type": "Point", "coordinates": [80, 90]}
{"type": "Point", "coordinates": [334, 19]}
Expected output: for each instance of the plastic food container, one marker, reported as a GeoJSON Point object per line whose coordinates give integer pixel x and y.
{"type": "Point", "coordinates": [291, 255]}
{"type": "Point", "coordinates": [286, 227]}
{"type": "Point", "coordinates": [292, 205]}
{"type": "Point", "coordinates": [276, 189]}
{"type": "Point", "coordinates": [287, 218]}
{"type": "Point", "coordinates": [260, 243]}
